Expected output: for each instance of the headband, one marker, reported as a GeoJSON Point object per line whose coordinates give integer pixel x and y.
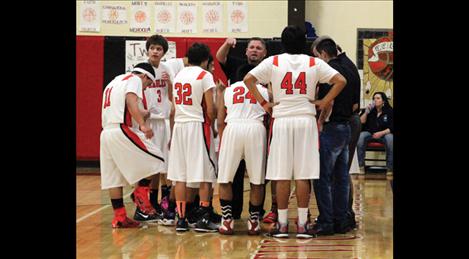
{"type": "Point", "coordinates": [137, 69]}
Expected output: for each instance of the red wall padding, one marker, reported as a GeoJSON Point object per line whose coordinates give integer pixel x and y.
{"type": "Point", "coordinates": [89, 76]}
{"type": "Point", "coordinates": [214, 44]}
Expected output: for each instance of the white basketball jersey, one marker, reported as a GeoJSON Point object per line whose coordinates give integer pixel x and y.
{"type": "Point", "coordinates": [189, 87]}
{"type": "Point", "coordinates": [114, 109]}
{"type": "Point", "coordinates": [175, 64]}
{"type": "Point", "coordinates": [156, 94]}
{"type": "Point", "coordinates": [294, 79]}
{"type": "Point", "coordinates": [241, 104]}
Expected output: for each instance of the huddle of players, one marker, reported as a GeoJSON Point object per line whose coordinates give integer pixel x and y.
{"type": "Point", "coordinates": [293, 151]}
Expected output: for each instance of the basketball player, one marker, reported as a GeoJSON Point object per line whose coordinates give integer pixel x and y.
{"type": "Point", "coordinates": [127, 155]}
{"type": "Point", "coordinates": [244, 137]}
{"type": "Point", "coordinates": [192, 199]}
{"type": "Point", "coordinates": [294, 146]}
{"type": "Point", "coordinates": [190, 161]}
{"type": "Point", "coordinates": [235, 69]}
{"type": "Point", "coordinates": [159, 104]}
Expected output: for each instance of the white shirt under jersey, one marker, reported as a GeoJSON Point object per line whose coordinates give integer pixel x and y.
{"type": "Point", "coordinates": [114, 109]}
{"type": "Point", "coordinates": [189, 87]}
{"type": "Point", "coordinates": [175, 64]}
{"type": "Point", "coordinates": [156, 94]}
{"type": "Point", "coordinates": [294, 79]}
{"type": "Point", "coordinates": [241, 104]}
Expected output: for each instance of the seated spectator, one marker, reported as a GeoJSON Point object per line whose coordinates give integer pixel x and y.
{"type": "Point", "coordinates": [377, 123]}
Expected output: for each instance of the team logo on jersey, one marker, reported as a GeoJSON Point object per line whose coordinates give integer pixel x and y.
{"type": "Point", "coordinates": [381, 57]}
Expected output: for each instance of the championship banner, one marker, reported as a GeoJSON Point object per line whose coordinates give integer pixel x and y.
{"type": "Point", "coordinates": [187, 17]}
{"type": "Point", "coordinates": [165, 17]}
{"type": "Point", "coordinates": [212, 17]}
{"type": "Point", "coordinates": [114, 14]}
{"type": "Point", "coordinates": [139, 17]}
{"type": "Point", "coordinates": [90, 16]}
{"type": "Point", "coordinates": [237, 16]}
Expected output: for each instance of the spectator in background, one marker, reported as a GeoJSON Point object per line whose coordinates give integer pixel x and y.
{"type": "Point", "coordinates": [377, 123]}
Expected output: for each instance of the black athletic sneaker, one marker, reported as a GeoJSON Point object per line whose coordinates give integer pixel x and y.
{"type": "Point", "coordinates": [181, 225]}
{"type": "Point", "coordinates": [146, 217]}
{"type": "Point", "coordinates": [205, 225]}
{"type": "Point", "coordinates": [194, 215]}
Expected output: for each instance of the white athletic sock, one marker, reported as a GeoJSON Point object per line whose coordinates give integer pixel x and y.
{"type": "Point", "coordinates": [302, 216]}
{"type": "Point", "coordinates": [282, 216]}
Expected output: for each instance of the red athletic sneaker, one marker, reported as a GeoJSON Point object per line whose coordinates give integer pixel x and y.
{"type": "Point", "coordinates": [141, 200]}
{"type": "Point", "coordinates": [253, 227]}
{"type": "Point", "coordinates": [271, 217]}
{"type": "Point", "coordinates": [125, 223]}
{"type": "Point", "coordinates": [226, 227]}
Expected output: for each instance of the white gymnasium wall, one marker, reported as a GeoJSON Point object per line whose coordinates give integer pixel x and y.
{"type": "Point", "coordinates": [341, 19]}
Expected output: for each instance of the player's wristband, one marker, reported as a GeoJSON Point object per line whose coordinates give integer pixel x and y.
{"type": "Point", "coordinates": [263, 103]}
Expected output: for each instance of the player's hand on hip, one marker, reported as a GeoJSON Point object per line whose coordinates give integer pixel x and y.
{"type": "Point", "coordinates": [268, 107]}
{"type": "Point", "coordinates": [320, 105]}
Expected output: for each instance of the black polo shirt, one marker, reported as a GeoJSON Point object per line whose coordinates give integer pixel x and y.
{"type": "Point", "coordinates": [354, 80]}
{"type": "Point", "coordinates": [236, 68]}
{"type": "Point", "coordinates": [342, 108]}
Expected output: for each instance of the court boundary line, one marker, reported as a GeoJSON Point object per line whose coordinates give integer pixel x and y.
{"type": "Point", "coordinates": [98, 210]}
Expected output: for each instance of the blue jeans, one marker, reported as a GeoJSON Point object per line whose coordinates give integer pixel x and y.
{"type": "Point", "coordinates": [365, 137]}
{"type": "Point", "coordinates": [332, 187]}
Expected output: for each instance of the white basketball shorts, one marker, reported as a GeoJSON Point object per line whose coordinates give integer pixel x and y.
{"type": "Point", "coordinates": [294, 149]}
{"type": "Point", "coordinates": [243, 139]}
{"type": "Point", "coordinates": [189, 160]}
{"type": "Point", "coordinates": [160, 139]}
{"type": "Point", "coordinates": [126, 156]}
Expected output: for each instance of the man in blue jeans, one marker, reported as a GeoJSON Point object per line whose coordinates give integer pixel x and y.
{"type": "Point", "coordinates": [355, 124]}
{"type": "Point", "coordinates": [333, 186]}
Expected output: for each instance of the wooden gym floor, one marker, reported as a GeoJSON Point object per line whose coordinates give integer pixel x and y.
{"type": "Point", "coordinates": [96, 239]}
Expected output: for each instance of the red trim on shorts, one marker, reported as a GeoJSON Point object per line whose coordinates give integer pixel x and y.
{"type": "Point", "coordinates": [312, 62]}
{"type": "Point", "coordinates": [207, 123]}
{"type": "Point", "coordinates": [201, 75]}
{"type": "Point", "coordinates": [206, 127]}
{"type": "Point", "coordinates": [133, 137]}
{"type": "Point", "coordinates": [137, 141]}
{"type": "Point", "coordinates": [275, 61]}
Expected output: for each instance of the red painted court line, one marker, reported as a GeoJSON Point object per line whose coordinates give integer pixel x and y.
{"type": "Point", "coordinates": [306, 250]}
{"type": "Point", "coordinates": [293, 257]}
{"type": "Point", "coordinates": [301, 245]}
{"type": "Point", "coordinates": [320, 238]}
